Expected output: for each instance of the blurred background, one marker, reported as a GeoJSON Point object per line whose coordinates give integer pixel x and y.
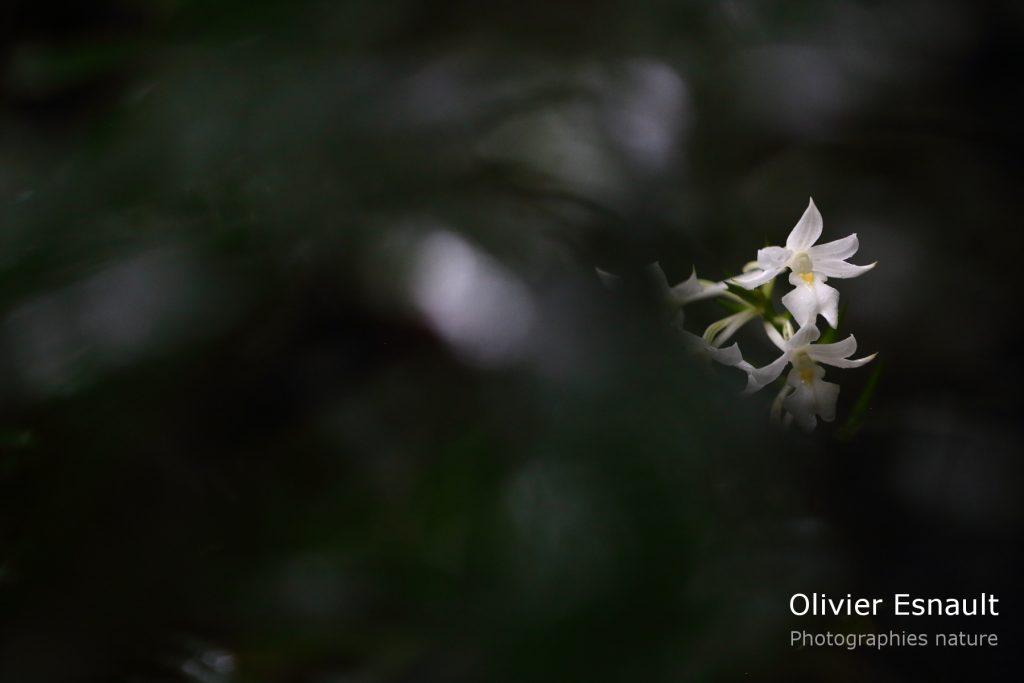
{"type": "Point", "coordinates": [306, 375]}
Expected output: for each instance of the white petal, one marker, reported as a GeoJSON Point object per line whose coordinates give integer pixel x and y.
{"type": "Point", "coordinates": [850, 362]}
{"type": "Point", "coordinates": [808, 300]}
{"type": "Point", "coordinates": [807, 230]}
{"type": "Point", "coordinates": [693, 289]}
{"type": "Point", "coordinates": [828, 303]}
{"type": "Point", "coordinates": [837, 250]}
{"type": "Point", "coordinates": [755, 278]}
{"type": "Point", "coordinates": [759, 378]}
{"type": "Point", "coordinates": [802, 303]}
{"type": "Point", "coordinates": [808, 334]}
{"type": "Point", "coordinates": [827, 353]}
{"type": "Point", "coordinates": [775, 337]}
{"type": "Point", "coordinates": [773, 257]}
{"type": "Point", "coordinates": [730, 355]}
{"type": "Point", "coordinates": [811, 399]}
{"type": "Point", "coordinates": [840, 269]}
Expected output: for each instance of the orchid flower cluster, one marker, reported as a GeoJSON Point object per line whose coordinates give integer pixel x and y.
{"type": "Point", "coordinates": [805, 396]}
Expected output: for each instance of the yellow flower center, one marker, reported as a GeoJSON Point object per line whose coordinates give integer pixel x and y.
{"type": "Point", "coordinates": [807, 376]}
{"type": "Point", "coordinates": [807, 277]}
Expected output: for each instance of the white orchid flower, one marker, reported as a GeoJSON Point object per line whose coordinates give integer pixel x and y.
{"type": "Point", "coordinates": [811, 265]}
{"type": "Point", "coordinates": [807, 396]}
